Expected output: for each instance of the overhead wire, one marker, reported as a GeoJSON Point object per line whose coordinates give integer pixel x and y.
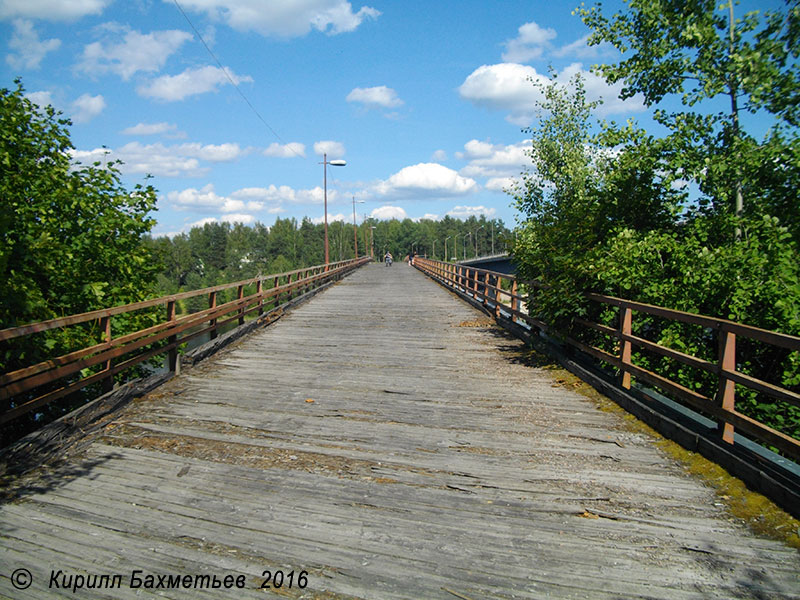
{"type": "Point", "coordinates": [234, 84]}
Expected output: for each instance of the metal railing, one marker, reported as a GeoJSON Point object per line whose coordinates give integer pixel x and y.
{"type": "Point", "coordinates": [500, 294]}
{"type": "Point", "coordinates": [168, 335]}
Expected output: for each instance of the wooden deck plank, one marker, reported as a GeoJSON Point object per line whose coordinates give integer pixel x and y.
{"type": "Point", "coordinates": [429, 462]}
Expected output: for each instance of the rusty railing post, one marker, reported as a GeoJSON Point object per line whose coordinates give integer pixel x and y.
{"type": "Point", "coordinates": [625, 316]}
{"type": "Point", "coordinates": [105, 327]}
{"type": "Point", "coordinates": [212, 303]}
{"type": "Point", "coordinates": [239, 296]}
{"type": "Point", "coordinates": [498, 285]}
{"type": "Point", "coordinates": [260, 291]}
{"type": "Point", "coordinates": [727, 388]}
{"type": "Point", "coordinates": [486, 290]}
{"type": "Point", "coordinates": [514, 300]}
{"type": "Point", "coordinates": [173, 364]}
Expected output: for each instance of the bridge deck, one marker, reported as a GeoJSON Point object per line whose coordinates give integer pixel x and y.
{"type": "Point", "coordinates": [430, 464]}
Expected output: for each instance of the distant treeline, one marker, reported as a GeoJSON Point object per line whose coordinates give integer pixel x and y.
{"type": "Point", "coordinates": [218, 253]}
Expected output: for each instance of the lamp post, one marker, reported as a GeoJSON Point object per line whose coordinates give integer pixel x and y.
{"type": "Point", "coordinates": [464, 241]}
{"type": "Point", "coordinates": [455, 245]}
{"type": "Point", "coordinates": [372, 241]}
{"type": "Point", "coordinates": [445, 247]}
{"type": "Point", "coordinates": [492, 237]}
{"type": "Point", "coordinates": [476, 240]}
{"type": "Point", "coordinates": [334, 163]}
{"type": "Point", "coordinates": [355, 228]}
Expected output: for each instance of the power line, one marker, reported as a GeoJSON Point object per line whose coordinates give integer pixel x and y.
{"type": "Point", "coordinates": [234, 84]}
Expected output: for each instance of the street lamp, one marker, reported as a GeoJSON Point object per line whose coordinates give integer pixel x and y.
{"type": "Point", "coordinates": [445, 247]}
{"type": "Point", "coordinates": [355, 228]}
{"type": "Point", "coordinates": [372, 241]}
{"type": "Point", "coordinates": [476, 240]}
{"type": "Point", "coordinates": [455, 245]}
{"type": "Point", "coordinates": [334, 163]}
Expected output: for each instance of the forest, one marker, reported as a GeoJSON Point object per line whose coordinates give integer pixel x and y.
{"type": "Point", "coordinates": [222, 252]}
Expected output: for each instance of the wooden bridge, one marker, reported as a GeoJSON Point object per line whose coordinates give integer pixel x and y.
{"type": "Point", "coordinates": [384, 440]}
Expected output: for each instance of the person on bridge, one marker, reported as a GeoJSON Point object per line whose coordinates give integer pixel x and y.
{"type": "Point", "coordinates": [388, 258]}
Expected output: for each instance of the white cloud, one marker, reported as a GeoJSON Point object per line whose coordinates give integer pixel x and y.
{"type": "Point", "coordinates": [287, 18]}
{"type": "Point", "coordinates": [136, 52]}
{"type": "Point", "coordinates": [52, 10]}
{"type": "Point", "coordinates": [285, 194]}
{"type": "Point", "coordinates": [332, 149]}
{"type": "Point", "coordinates": [387, 213]}
{"type": "Point", "coordinates": [500, 184]}
{"type": "Point", "coordinates": [429, 217]}
{"type": "Point", "coordinates": [206, 198]}
{"type": "Point", "coordinates": [439, 156]}
{"type": "Point", "coordinates": [530, 43]}
{"type": "Point", "coordinates": [425, 180]}
{"type": "Point", "coordinates": [290, 150]}
{"type": "Point", "coordinates": [331, 218]}
{"type": "Point", "coordinates": [239, 218]}
{"type": "Point", "coordinates": [494, 160]}
{"type": "Point", "coordinates": [464, 212]}
{"type": "Point", "coordinates": [181, 160]}
{"type": "Point", "coordinates": [87, 107]}
{"type": "Point", "coordinates": [151, 129]}
{"type": "Point", "coordinates": [510, 87]}
{"type": "Point", "coordinates": [171, 88]}
{"type": "Point", "coordinates": [30, 49]}
{"type": "Point", "coordinates": [375, 97]}
{"type": "Point", "coordinates": [41, 99]}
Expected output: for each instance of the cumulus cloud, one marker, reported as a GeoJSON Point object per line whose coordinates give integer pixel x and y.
{"type": "Point", "coordinates": [530, 43]}
{"type": "Point", "coordinates": [511, 87]}
{"type": "Point", "coordinates": [464, 212]}
{"type": "Point", "coordinates": [201, 80]}
{"type": "Point", "coordinates": [387, 213]}
{"type": "Point", "coordinates": [333, 149]}
{"type": "Point", "coordinates": [331, 218]}
{"type": "Point", "coordinates": [41, 99]}
{"type": "Point", "coordinates": [135, 52]}
{"type": "Point", "coordinates": [439, 156]}
{"type": "Point", "coordinates": [151, 129]}
{"type": "Point", "coordinates": [429, 180]}
{"type": "Point", "coordinates": [286, 194]}
{"type": "Point", "coordinates": [87, 107]}
{"type": "Point", "coordinates": [290, 150]}
{"type": "Point", "coordinates": [52, 10]}
{"type": "Point", "coordinates": [375, 97]}
{"type": "Point", "coordinates": [289, 18]}
{"type": "Point", "coordinates": [494, 160]}
{"type": "Point", "coordinates": [181, 160]}
{"type": "Point", "coordinates": [30, 50]}
{"type": "Point", "coordinates": [206, 198]}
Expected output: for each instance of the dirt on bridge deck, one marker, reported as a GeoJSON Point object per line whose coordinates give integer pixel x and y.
{"type": "Point", "coordinates": [382, 441]}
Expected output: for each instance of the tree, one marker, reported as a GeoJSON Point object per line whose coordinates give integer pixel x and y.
{"type": "Point", "coordinates": [71, 240]}
{"type": "Point", "coordinates": [71, 236]}
{"type": "Point", "coordinates": [703, 53]}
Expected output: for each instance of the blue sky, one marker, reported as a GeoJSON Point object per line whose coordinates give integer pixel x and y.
{"type": "Point", "coordinates": [424, 100]}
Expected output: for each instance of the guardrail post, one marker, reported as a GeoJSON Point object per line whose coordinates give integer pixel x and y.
{"type": "Point", "coordinates": [486, 290]}
{"type": "Point", "coordinates": [625, 318]}
{"type": "Point", "coordinates": [498, 284]}
{"type": "Point", "coordinates": [239, 296]}
{"type": "Point", "coordinates": [259, 291]}
{"type": "Point", "coordinates": [290, 293]}
{"type": "Point", "coordinates": [105, 326]}
{"type": "Point", "coordinates": [514, 300]}
{"type": "Point", "coordinates": [173, 364]}
{"type": "Point", "coordinates": [277, 295]}
{"type": "Point", "coordinates": [212, 303]}
{"type": "Point", "coordinates": [727, 389]}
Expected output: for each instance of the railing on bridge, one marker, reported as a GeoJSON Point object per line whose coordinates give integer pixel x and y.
{"type": "Point", "coordinates": [500, 293]}
{"type": "Point", "coordinates": [167, 336]}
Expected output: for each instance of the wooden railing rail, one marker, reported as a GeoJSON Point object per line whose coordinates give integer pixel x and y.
{"type": "Point", "coordinates": [276, 288]}
{"type": "Point", "coordinates": [500, 293]}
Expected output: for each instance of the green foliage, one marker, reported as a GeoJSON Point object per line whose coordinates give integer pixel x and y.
{"type": "Point", "coordinates": [611, 212]}
{"type": "Point", "coordinates": [71, 236]}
